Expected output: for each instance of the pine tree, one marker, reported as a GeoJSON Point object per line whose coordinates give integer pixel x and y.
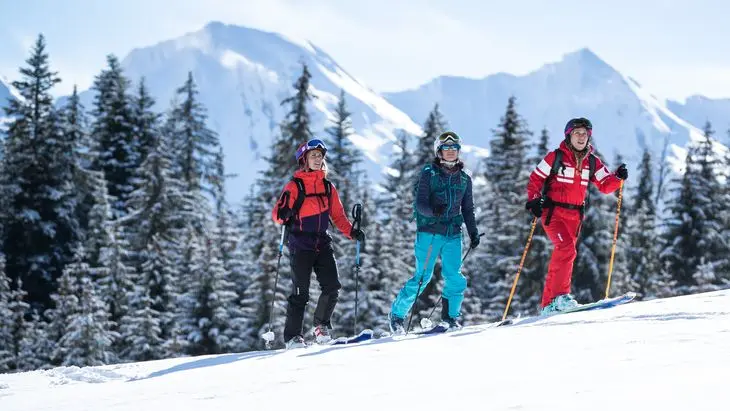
{"type": "Point", "coordinates": [39, 209]}
{"type": "Point", "coordinates": [398, 262]}
{"type": "Point", "coordinates": [435, 125]}
{"type": "Point", "coordinates": [508, 170]}
{"type": "Point", "coordinates": [141, 328]}
{"type": "Point", "coordinates": [693, 233]}
{"type": "Point", "coordinates": [343, 157]}
{"type": "Point", "coordinates": [196, 145]}
{"type": "Point", "coordinates": [144, 121]}
{"type": "Point", "coordinates": [88, 336]}
{"type": "Point", "coordinates": [6, 315]}
{"type": "Point", "coordinates": [156, 222]}
{"type": "Point", "coordinates": [642, 254]}
{"type": "Point", "coordinates": [113, 134]}
{"type": "Point", "coordinates": [74, 124]}
{"type": "Point", "coordinates": [208, 305]}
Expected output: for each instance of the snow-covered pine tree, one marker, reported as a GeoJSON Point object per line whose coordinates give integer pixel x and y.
{"type": "Point", "coordinates": [26, 332]}
{"type": "Point", "coordinates": [343, 157]}
{"type": "Point", "coordinates": [113, 133]}
{"type": "Point", "coordinates": [693, 231]}
{"type": "Point", "coordinates": [434, 126]}
{"type": "Point", "coordinates": [195, 144]}
{"type": "Point", "coordinates": [88, 337]}
{"type": "Point", "coordinates": [141, 328]}
{"type": "Point", "coordinates": [155, 220]}
{"type": "Point", "coordinates": [144, 121]}
{"type": "Point", "coordinates": [208, 306]}
{"type": "Point", "coordinates": [6, 324]}
{"type": "Point", "coordinates": [226, 239]}
{"type": "Point", "coordinates": [642, 251]}
{"type": "Point", "coordinates": [398, 227]}
{"type": "Point", "coordinates": [540, 251]}
{"type": "Point", "coordinates": [508, 170]}
{"type": "Point", "coordinates": [38, 218]}
{"type": "Point", "coordinates": [75, 126]}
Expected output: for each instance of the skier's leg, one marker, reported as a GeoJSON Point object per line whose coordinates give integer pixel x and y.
{"type": "Point", "coordinates": [301, 267]}
{"type": "Point", "coordinates": [426, 248]}
{"type": "Point", "coordinates": [561, 232]}
{"type": "Point", "coordinates": [325, 267]}
{"type": "Point", "coordinates": [454, 281]}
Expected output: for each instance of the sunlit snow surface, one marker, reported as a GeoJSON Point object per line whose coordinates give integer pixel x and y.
{"type": "Point", "coordinates": [671, 354]}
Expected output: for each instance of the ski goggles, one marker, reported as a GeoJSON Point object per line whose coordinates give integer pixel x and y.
{"type": "Point", "coordinates": [450, 147]}
{"type": "Point", "coordinates": [449, 137]}
{"type": "Point", "coordinates": [312, 144]}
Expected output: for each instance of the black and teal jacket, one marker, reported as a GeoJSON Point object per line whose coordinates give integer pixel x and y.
{"type": "Point", "coordinates": [451, 187]}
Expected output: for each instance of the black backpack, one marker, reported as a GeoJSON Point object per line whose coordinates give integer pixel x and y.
{"type": "Point", "coordinates": [302, 194]}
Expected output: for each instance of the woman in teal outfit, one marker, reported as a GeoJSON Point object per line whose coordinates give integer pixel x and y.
{"type": "Point", "coordinates": [443, 202]}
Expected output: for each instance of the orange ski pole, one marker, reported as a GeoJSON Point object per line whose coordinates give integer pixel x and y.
{"type": "Point", "coordinates": [522, 262]}
{"type": "Point", "coordinates": [615, 236]}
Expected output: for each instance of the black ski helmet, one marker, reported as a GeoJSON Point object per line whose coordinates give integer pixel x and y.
{"type": "Point", "coordinates": [575, 123]}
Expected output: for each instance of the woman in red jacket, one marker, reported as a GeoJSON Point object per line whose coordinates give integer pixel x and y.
{"type": "Point", "coordinates": [310, 245]}
{"type": "Point", "coordinates": [564, 198]}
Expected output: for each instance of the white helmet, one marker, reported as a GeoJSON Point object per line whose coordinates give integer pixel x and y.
{"type": "Point", "coordinates": [446, 138]}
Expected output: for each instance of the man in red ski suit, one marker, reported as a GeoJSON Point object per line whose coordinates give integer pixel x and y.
{"type": "Point", "coordinates": [564, 201]}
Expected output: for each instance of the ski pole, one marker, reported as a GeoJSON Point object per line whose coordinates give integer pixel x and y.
{"type": "Point", "coordinates": [615, 236]}
{"type": "Point", "coordinates": [268, 336]}
{"type": "Point", "coordinates": [357, 221]}
{"type": "Point", "coordinates": [420, 282]}
{"type": "Point", "coordinates": [428, 320]}
{"type": "Point", "coordinates": [522, 262]}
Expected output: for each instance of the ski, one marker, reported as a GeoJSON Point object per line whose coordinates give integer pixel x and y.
{"type": "Point", "coordinates": [597, 305]}
{"type": "Point", "coordinates": [364, 335]}
{"type": "Point", "coordinates": [437, 329]}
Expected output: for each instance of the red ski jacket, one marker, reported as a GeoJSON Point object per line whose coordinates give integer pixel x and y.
{"type": "Point", "coordinates": [567, 186]}
{"type": "Point", "coordinates": [309, 230]}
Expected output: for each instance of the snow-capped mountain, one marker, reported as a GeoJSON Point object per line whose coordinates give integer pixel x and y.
{"type": "Point", "coordinates": [243, 75]}
{"type": "Point", "coordinates": [699, 109]}
{"type": "Point", "coordinates": [625, 116]}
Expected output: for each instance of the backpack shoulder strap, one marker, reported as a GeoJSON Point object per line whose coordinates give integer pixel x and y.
{"type": "Point", "coordinates": [300, 195]}
{"type": "Point", "coordinates": [592, 167]}
{"type": "Point", "coordinates": [328, 190]}
{"type": "Point", "coordinates": [557, 162]}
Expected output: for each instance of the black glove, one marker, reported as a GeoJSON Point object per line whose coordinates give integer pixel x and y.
{"type": "Point", "coordinates": [439, 210]}
{"type": "Point", "coordinates": [535, 206]}
{"type": "Point", "coordinates": [284, 214]}
{"type": "Point", "coordinates": [474, 239]}
{"type": "Point", "coordinates": [357, 234]}
{"type": "Point", "coordinates": [622, 172]}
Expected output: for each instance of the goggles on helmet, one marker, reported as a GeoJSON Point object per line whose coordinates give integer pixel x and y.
{"type": "Point", "coordinates": [312, 144]}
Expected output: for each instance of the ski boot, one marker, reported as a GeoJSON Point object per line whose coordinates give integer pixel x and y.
{"type": "Point", "coordinates": [560, 303]}
{"type": "Point", "coordinates": [397, 326]}
{"type": "Point", "coordinates": [296, 342]}
{"type": "Point", "coordinates": [322, 334]}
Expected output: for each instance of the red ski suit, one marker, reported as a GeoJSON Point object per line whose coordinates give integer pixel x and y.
{"type": "Point", "coordinates": [569, 187]}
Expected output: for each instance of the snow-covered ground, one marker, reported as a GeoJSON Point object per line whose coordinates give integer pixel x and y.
{"type": "Point", "coordinates": [670, 354]}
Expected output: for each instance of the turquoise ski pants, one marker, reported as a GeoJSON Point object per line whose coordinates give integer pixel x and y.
{"type": "Point", "coordinates": [429, 247]}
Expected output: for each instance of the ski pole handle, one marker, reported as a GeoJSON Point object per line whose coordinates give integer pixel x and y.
{"type": "Point", "coordinates": [357, 222]}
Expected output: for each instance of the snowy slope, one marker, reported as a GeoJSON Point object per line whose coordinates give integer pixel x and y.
{"type": "Point", "coordinates": [671, 354]}
{"type": "Point", "coordinates": [626, 117]}
{"type": "Point", "coordinates": [243, 75]}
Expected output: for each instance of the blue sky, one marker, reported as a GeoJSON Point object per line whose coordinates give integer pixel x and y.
{"type": "Point", "coordinates": [674, 48]}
